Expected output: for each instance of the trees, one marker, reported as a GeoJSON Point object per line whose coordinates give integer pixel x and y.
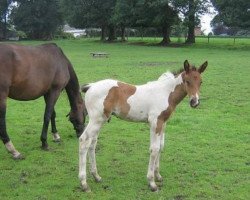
{"type": "Point", "coordinates": [124, 15]}
{"type": "Point", "coordinates": [191, 9]}
{"type": "Point", "coordinates": [233, 13]}
{"type": "Point", "coordinates": [159, 14]}
{"type": "Point", "coordinates": [90, 13]}
{"type": "Point", "coordinates": [4, 9]}
{"type": "Point", "coordinates": [39, 19]}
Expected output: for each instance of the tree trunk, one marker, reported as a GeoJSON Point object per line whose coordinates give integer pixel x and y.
{"type": "Point", "coordinates": [103, 33]}
{"type": "Point", "coordinates": [191, 23]}
{"type": "Point", "coordinates": [5, 26]}
{"type": "Point", "coordinates": [166, 35]}
{"type": "Point", "coordinates": [123, 33]}
{"type": "Point", "coordinates": [112, 35]}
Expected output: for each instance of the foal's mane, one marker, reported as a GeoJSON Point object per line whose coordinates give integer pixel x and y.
{"type": "Point", "coordinates": [176, 73]}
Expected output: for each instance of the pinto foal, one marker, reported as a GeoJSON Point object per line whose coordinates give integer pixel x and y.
{"type": "Point", "coordinates": [153, 103]}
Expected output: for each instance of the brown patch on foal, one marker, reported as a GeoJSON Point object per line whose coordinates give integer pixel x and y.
{"type": "Point", "coordinates": [174, 99]}
{"type": "Point", "coordinates": [117, 98]}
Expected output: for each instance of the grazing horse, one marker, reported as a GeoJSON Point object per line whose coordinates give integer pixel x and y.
{"type": "Point", "coordinates": [29, 72]}
{"type": "Point", "coordinates": [153, 103]}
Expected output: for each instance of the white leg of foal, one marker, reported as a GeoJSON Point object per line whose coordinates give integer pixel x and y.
{"type": "Point", "coordinates": [84, 144]}
{"type": "Point", "coordinates": [93, 168]}
{"type": "Point", "coordinates": [154, 153]}
{"type": "Point", "coordinates": [158, 177]}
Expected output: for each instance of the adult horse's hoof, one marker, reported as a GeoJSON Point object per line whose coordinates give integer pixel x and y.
{"type": "Point", "coordinates": [45, 147]}
{"type": "Point", "coordinates": [56, 137]}
{"type": "Point", "coordinates": [86, 188]}
{"type": "Point", "coordinates": [18, 157]}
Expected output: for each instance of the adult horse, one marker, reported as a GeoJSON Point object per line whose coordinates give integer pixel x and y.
{"type": "Point", "coordinates": [152, 102]}
{"type": "Point", "coordinates": [29, 72]}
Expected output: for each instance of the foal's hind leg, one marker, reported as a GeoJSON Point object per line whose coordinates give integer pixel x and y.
{"type": "Point", "coordinates": [85, 142]}
{"type": "Point", "coordinates": [56, 136]}
{"type": "Point", "coordinates": [3, 133]}
{"type": "Point", "coordinates": [92, 158]}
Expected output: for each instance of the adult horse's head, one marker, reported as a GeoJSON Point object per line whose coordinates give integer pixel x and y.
{"type": "Point", "coordinates": [192, 82]}
{"type": "Point", "coordinates": [77, 117]}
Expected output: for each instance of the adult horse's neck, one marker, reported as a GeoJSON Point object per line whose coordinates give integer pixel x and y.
{"type": "Point", "coordinates": [73, 91]}
{"type": "Point", "coordinates": [77, 113]}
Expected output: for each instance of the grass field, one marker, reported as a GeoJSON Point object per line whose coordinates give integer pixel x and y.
{"type": "Point", "coordinates": [207, 152]}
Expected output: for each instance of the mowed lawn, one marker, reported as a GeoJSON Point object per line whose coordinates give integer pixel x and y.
{"type": "Point", "coordinates": [207, 150]}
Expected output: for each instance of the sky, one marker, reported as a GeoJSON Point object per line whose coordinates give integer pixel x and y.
{"type": "Point", "coordinates": [206, 19]}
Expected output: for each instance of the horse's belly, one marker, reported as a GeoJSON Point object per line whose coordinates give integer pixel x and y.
{"type": "Point", "coordinates": [25, 94]}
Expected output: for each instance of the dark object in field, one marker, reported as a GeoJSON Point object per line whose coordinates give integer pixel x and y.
{"type": "Point", "coordinates": [29, 72]}
{"type": "Point", "coordinates": [99, 54]}
{"type": "Point", "coordinates": [152, 103]}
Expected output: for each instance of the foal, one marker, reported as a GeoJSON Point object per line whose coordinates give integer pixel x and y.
{"type": "Point", "coordinates": [153, 103]}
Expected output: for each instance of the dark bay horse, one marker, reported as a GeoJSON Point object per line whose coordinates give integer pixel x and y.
{"type": "Point", "coordinates": [29, 72]}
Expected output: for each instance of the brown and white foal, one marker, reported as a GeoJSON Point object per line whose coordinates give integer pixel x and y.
{"type": "Point", "coordinates": [153, 103]}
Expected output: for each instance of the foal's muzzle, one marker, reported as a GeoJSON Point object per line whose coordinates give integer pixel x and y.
{"type": "Point", "coordinates": [194, 102]}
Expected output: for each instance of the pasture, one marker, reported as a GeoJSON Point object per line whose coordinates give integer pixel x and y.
{"type": "Point", "coordinates": [207, 150]}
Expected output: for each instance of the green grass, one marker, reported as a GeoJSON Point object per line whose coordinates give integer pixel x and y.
{"type": "Point", "coordinates": [207, 149]}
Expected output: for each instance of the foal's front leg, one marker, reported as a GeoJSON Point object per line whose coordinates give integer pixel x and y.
{"type": "Point", "coordinates": [87, 139]}
{"type": "Point", "coordinates": [155, 141]}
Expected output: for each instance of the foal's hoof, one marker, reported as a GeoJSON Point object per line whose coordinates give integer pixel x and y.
{"type": "Point", "coordinates": [159, 179]}
{"type": "Point", "coordinates": [18, 157]}
{"type": "Point", "coordinates": [86, 188]}
{"type": "Point", "coordinates": [98, 179]}
{"type": "Point", "coordinates": [153, 188]}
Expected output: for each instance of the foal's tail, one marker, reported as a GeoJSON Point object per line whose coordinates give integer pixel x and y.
{"type": "Point", "coordinates": [85, 87]}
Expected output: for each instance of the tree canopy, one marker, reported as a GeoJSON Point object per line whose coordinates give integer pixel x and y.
{"type": "Point", "coordinates": [233, 13]}
{"type": "Point", "coordinates": [39, 19]}
{"type": "Point", "coordinates": [4, 9]}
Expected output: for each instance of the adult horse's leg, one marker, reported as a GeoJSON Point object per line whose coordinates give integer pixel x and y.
{"type": "Point", "coordinates": [155, 143]}
{"type": "Point", "coordinates": [3, 133]}
{"type": "Point", "coordinates": [56, 136]}
{"type": "Point", "coordinates": [50, 99]}
{"type": "Point", "coordinates": [85, 141]}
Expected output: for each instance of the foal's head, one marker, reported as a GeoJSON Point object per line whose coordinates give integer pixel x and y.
{"type": "Point", "coordinates": [192, 82]}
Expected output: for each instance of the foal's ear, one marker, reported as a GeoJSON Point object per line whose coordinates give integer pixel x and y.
{"type": "Point", "coordinates": [186, 66]}
{"type": "Point", "coordinates": [202, 67]}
